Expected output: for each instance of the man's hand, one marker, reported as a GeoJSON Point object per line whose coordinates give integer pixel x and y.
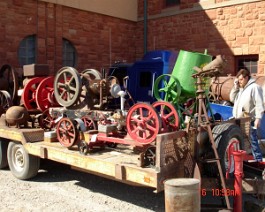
{"type": "Point", "coordinates": [236, 83]}
{"type": "Point", "coordinates": [257, 123]}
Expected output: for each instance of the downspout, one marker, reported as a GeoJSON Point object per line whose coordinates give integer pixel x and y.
{"type": "Point", "coordinates": [145, 26]}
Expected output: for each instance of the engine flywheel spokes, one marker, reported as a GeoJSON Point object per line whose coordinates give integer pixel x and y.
{"type": "Point", "coordinates": [66, 132]}
{"type": "Point", "coordinates": [67, 86]}
{"type": "Point", "coordinates": [143, 123]}
{"type": "Point", "coordinates": [168, 114]}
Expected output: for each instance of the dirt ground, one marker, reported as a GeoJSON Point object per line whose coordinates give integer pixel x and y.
{"type": "Point", "coordinates": [59, 188]}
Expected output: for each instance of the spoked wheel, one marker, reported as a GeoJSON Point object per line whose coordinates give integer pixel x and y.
{"type": "Point", "coordinates": [143, 123]}
{"type": "Point", "coordinates": [89, 122]}
{"type": "Point", "coordinates": [5, 100]}
{"type": "Point", "coordinates": [11, 81]}
{"type": "Point", "coordinates": [46, 121]}
{"type": "Point", "coordinates": [168, 115]}
{"type": "Point", "coordinates": [212, 97]}
{"type": "Point", "coordinates": [66, 132]}
{"type": "Point", "coordinates": [84, 98]}
{"type": "Point", "coordinates": [167, 88]}
{"type": "Point", "coordinates": [83, 147]}
{"type": "Point", "coordinates": [29, 93]}
{"type": "Point", "coordinates": [67, 86]}
{"type": "Point", "coordinates": [150, 156]}
{"type": "Point", "coordinates": [93, 74]}
{"type": "Point", "coordinates": [45, 94]}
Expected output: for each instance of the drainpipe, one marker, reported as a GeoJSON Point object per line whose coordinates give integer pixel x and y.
{"type": "Point", "coordinates": [145, 26]}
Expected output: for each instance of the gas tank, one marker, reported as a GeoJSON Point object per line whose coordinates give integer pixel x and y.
{"type": "Point", "coordinates": [221, 86]}
{"type": "Point", "coordinates": [183, 71]}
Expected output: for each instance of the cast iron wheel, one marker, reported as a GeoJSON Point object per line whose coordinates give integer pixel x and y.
{"type": "Point", "coordinates": [22, 165]}
{"type": "Point", "coordinates": [84, 98]}
{"type": "Point", "coordinates": [5, 100]}
{"type": "Point", "coordinates": [45, 94]}
{"type": "Point", "coordinates": [143, 123]}
{"type": "Point", "coordinates": [83, 147]}
{"type": "Point", "coordinates": [46, 121]}
{"type": "Point", "coordinates": [167, 88]}
{"type": "Point", "coordinates": [225, 134]}
{"type": "Point", "coordinates": [29, 93]}
{"type": "Point", "coordinates": [3, 153]}
{"type": "Point", "coordinates": [89, 122]}
{"type": "Point", "coordinates": [66, 132]}
{"type": "Point", "coordinates": [10, 75]}
{"type": "Point", "coordinates": [168, 115]}
{"type": "Point", "coordinates": [93, 74]}
{"type": "Point", "coordinates": [67, 86]}
{"type": "Point", "coordinates": [150, 156]}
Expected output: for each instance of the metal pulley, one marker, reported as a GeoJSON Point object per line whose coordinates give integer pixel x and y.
{"type": "Point", "coordinates": [67, 86]}
{"type": "Point", "coordinates": [29, 93]}
{"type": "Point", "coordinates": [9, 81]}
{"type": "Point", "coordinates": [167, 88]}
{"type": "Point", "coordinates": [143, 123]}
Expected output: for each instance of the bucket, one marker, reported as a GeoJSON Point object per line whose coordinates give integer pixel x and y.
{"type": "Point", "coordinates": [183, 71]}
{"type": "Point", "coordinates": [182, 195]}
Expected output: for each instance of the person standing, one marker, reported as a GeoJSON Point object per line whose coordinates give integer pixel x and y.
{"type": "Point", "coordinates": [247, 97]}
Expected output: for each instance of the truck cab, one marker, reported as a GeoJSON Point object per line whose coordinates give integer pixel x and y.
{"type": "Point", "coordinates": [143, 73]}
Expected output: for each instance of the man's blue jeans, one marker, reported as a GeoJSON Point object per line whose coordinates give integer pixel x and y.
{"type": "Point", "coordinates": [256, 152]}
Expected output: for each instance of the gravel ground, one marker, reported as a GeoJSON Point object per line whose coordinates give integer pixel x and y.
{"type": "Point", "coordinates": [59, 188]}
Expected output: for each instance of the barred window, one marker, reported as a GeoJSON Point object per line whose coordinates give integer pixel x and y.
{"type": "Point", "coordinates": [249, 62]}
{"type": "Point", "coordinates": [69, 54]}
{"type": "Point", "coordinates": [27, 50]}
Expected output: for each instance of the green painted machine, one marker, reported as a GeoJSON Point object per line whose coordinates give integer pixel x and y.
{"type": "Point", "coordinates": [180, 86]}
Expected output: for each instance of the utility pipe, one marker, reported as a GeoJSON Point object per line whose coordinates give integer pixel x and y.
{"type": "Point", "coordinates": [145, 26]}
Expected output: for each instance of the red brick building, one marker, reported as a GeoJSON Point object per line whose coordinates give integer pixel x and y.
{"type": "Point", "coordinates": [71, 33]}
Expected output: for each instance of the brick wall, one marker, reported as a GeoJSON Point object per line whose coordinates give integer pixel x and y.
{"type": "Point", "coordinates": [99, 40]}
{"type": "Point", "coordinates": [228, 30]}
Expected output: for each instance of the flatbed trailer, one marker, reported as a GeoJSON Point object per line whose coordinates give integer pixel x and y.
{"type": "Point", "coordinates": [122, 163]}
{"type": "Point", "coordinates": [22, 150]}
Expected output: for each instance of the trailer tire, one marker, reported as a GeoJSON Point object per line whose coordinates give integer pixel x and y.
{"type": "Point", "coordinates": [22, 165]}
{"type": "Point", "coordinates": [223, 135]}
{"type": "Point", "coordinates": [3, 154]}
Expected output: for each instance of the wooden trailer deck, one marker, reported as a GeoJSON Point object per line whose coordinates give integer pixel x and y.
{"type": "Point", "coordinates": [122, 163]}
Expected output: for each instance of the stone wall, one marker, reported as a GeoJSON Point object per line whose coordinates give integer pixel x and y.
{"type": "Point", "coordinates": [223, 27]}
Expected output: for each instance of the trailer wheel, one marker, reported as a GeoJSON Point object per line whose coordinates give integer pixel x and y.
{"type": "Point", "coordinates": [3, 154]}
{"type": "Point", "coordinates": [22, 165]}
{"type": "Point", "coordinates": [225, 134]}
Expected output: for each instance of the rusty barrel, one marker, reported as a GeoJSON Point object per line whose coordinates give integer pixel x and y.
{"type": "Point", "coordinates": [221, 86]}
{"type": "Point", "coordinates": [183, 195]}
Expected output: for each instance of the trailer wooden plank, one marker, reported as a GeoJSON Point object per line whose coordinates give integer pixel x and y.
{"type": "Point", "coordinates": [115, 164]}
{"type": "Point", "coordinates": [23, 135]}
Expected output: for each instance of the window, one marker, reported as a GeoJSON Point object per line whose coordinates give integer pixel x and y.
{"type": "Point", "coordinates": [27, 50]}
{"type": "Point", "coordinates": [145, 79]}
{"type": "Point", "coordinates": [249, 62]}
{"type": "Point", "coordinates": [170, 3]}
{"type": "Point", "coordinates": [69, 54]}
